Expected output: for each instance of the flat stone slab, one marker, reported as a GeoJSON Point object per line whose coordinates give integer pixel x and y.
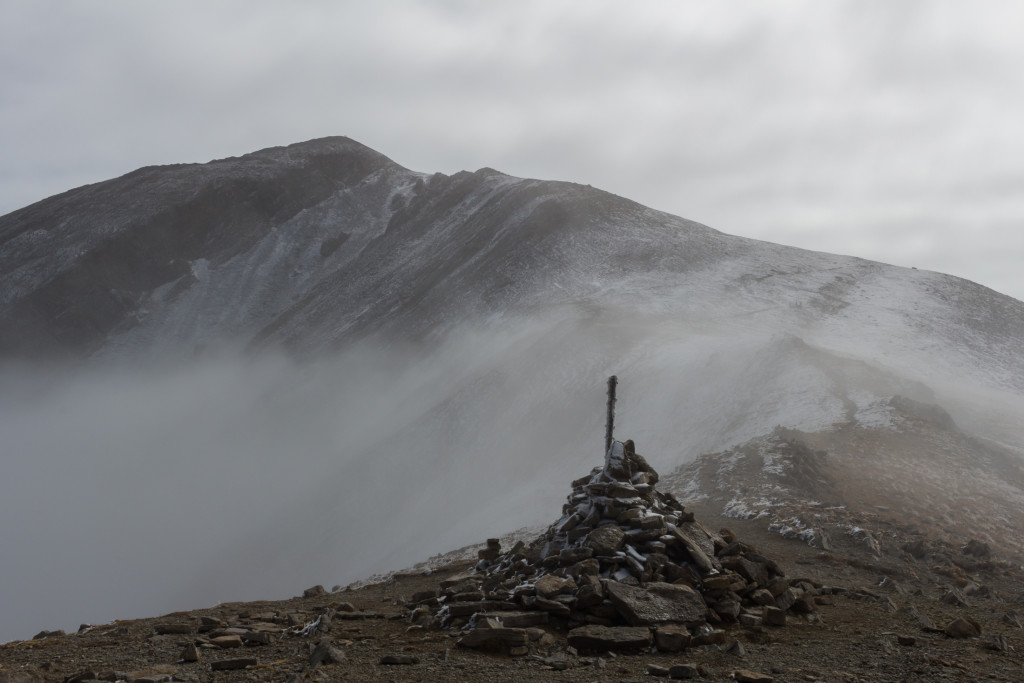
{"type": "Point", "coordinates": [684, 671]}
{"type": "Point", "coordinates": [698, 536]}
{"type": "Point", "coordinates": [657, 603]}
{"type": "Point", "coordinates": [354, 616]}
{"type": "Point", "coordinates": [694, 550]}
{"type": "Point", "coordinates": [548, 586]}
{"type": "Point", "coordinates": [233, 664]}
{"type": "Point", "coordinates": [744, 676]}
{"type": "Point", "coordinates": [516, 619]}
{"type": "Point", "coordinates": [603, 638]}
{"type": "Point", "coordinates": [481, 636]}
{"type": "Point", "coordinates": [227, 641]}
{"type": "Point", "coordinates": [466, 609]}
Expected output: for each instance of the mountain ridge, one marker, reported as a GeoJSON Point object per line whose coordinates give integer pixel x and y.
{"type": "Point", "coordinates": [364, 234]}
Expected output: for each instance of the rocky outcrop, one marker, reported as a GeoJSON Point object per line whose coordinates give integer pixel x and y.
{"type": "Point", "coordinates": [626, 566]}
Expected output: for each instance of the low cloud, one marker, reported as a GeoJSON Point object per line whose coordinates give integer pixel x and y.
{"type": "Point", "coordinates": [136, 491]}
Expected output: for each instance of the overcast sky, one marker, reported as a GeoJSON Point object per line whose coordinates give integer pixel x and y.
{"type": "Point", "coordinates": [887, 130]}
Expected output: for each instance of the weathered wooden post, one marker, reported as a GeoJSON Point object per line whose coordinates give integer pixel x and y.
{"type": "Point", "coordinates": [610, 425]}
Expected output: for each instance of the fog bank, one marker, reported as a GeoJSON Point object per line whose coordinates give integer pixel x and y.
{"type": "Point", "coordinates": [130, 492]}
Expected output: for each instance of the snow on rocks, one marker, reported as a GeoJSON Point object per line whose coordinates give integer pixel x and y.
{"type": "Point", "coordinates": [623, 564]}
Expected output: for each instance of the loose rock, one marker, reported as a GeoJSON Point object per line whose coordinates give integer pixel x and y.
{"type": "Point", "coordinates": [655, 670]}
{"type": "Point", "coordinates": [744, 676]}
{"type": "Point", "coordinates": [671, 638]}
{"type": "Point", "coordinates": [605, 638]}
{"type": "Point", "coordinates": [963, 627]}
{"type": "Point", "coordinates": [232, 664]}
{"type": "Point", "coordinates": [227, 641]}
{"type": "Point", "coordinates": [190, 653]}
{"type": "Point", "coordinates": [326, 653]}
{"type": "Point", "coordinates": [483, 636]}
{"type": "Point", "coordinates": [683, 671]}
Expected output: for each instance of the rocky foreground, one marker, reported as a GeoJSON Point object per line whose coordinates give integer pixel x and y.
{"type": "Point", "coordinates": [626, 585]}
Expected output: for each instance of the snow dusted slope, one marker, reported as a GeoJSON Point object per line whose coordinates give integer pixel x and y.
{"type": "Point", "coordinates": [446, 344]}
{"type": "Point", "coordinates": [317, 244]}
{"type": "Point", "coordinates": [79, 270]}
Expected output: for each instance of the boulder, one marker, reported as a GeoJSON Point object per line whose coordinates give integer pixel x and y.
{"type": "Point", "coordinates": [786, 599]}
{"type": "Point", "coordinates": [657, 603]}
{"type": "Point", "coordinates": [671, 638]}
{"type": "Point", "coordinates": [997, 643]}
{"type": "Point", "coordinates": [728, 610]}
{"type": "Point", "coordinates": [554, 607]}
{"type": "Point", "coordinates": [954, 597]}
{"type": "Point", "coordinates": [751, 571]}
{"type": "Point", "coordinates": [484, 636]}
{"type": "Point", "coordinates": [697, 554]}
{"type": "Point", "coordinates": [606, 540]}
{"type": "Point", "coordinates": [548, 586]}
{"type": "Point", "coordinates": [590, 593]}
{"type": "Point", "coordinates": [424, 596]}
{"type": "Point", "coordinates": [720, 583]}
{"type": "Point", "coordinates": [773, 616]}
{"type": "Point", "coordinates": [977, 549]}
{"type": "Point", "coordinates": [210, 623]}
{"type": "Point", "coordinates": [751, 621]}
{"type": "Point", "coordinates": [963, 627]}
{"type": "Point", "coordinates": [325, 653]}
{"type": "Point", "coordinates": [190, 653]}
{"type": "Point", "coordinates": [491, 552]}
{"type": "Point", "coordinates": [569, 556]}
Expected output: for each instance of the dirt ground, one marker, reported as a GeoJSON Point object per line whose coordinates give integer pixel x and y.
{"type": "Point", "coordinates": [863, 632]}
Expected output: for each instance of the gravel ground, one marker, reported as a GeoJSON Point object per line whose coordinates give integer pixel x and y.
{"type": "Point", "coordinates": [863, 633]}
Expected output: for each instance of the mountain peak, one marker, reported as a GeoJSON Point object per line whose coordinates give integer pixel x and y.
{"type": "Point", "coordinates": [333, 145]}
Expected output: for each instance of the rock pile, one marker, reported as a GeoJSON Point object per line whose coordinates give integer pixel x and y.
{"type": "Point", "coordinates": [626, 567]}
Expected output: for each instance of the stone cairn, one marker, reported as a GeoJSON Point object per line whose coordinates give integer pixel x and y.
{"type": "Point", "coordinates": [625, 568]}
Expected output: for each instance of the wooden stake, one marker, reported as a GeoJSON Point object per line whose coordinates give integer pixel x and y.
{"type": "Point", "coordinates": [610, 425]}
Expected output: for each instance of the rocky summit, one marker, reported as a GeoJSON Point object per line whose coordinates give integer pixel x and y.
{"type": "Point", "coordinates": [625, 568]}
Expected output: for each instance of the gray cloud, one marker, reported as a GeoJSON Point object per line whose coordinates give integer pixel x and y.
{"type": "Point", "coordinates": [824, 125]}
